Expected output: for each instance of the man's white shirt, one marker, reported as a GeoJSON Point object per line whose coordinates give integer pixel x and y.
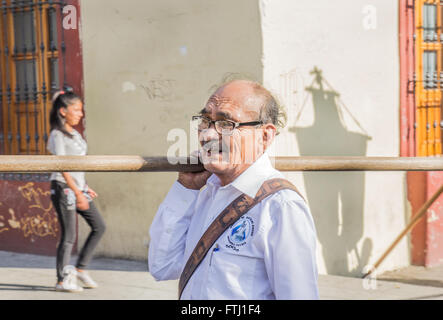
{"type": "Point", "coordinates": [269, 253]}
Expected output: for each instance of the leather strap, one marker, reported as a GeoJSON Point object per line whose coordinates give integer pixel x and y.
{"type": "Point", "coordinates": [224, 220]}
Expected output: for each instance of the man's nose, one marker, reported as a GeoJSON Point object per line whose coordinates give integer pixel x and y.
{"type": "Point", "coordinates": [209, 134]}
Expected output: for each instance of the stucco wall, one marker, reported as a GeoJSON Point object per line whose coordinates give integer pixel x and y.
{"type": "Point", "coordinates": [335, 66]}
{"type": "Point", "coordinates": [149, 66]}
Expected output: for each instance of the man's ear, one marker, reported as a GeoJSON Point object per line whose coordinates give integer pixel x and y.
{"type": "Point", "coordinates": [269, 133]}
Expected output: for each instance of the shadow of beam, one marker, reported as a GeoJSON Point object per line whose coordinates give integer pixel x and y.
{"type": "Point", "coordinates": [418, 282]}
{"type": "Point", "coordinates": [426, 297]}
{"type": "Point", "coordinates": [23, 287]}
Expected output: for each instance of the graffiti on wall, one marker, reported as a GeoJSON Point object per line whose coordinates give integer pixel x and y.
{"type": "Point", "coordinates": [41, 223]}
{"type": "Point", "coordinates": [2, 223]}
{"type": "Point", "coordinates": [160, 89]}
{"type": "Point", "coordinates": [28, 222]}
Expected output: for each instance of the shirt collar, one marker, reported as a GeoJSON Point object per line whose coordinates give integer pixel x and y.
{"type": "Point", "coordinates": [250, 181]}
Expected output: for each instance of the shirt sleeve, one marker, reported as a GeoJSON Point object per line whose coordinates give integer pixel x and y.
{"type": "Point", "coordinates": [290, 251]}
{"type": "Point", "coordinates": [168, 233]}
{"type": "Point", "coordinates": [56, 144]}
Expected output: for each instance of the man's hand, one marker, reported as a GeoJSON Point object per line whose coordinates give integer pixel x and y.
{"type": "Point", "coordinates": [193, 180]}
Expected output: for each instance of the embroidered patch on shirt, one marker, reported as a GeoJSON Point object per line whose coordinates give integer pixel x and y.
{"type": "Point", "coordinates": [240, 232]}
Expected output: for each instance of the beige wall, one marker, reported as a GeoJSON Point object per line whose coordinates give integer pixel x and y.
{"type": "Point", "coordinates": [355, 111]}
{"type": "Point", "coordinates": [148, 67]}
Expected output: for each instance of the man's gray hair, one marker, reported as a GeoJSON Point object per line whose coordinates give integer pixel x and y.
{"type": "Point", "coordinates": [271, 111]}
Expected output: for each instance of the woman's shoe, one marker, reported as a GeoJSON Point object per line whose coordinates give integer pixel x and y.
{"type": "Point", "coordinates": [84, 277]}
{"type": "Point", "coordinates": [69, 283]}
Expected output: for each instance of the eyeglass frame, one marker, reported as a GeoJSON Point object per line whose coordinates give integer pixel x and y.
{"type": "Point", "coordinates": [236, 124]}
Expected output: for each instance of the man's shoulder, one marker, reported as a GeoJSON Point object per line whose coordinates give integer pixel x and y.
{"type": "Point", "coordinates": [286, 195]}
{"type": "Point", "coordinates": [283, 204]}
{"type": "Point", "coordinates": [290, 190]}
{"type": "Point", "coordinates": [289, 194]}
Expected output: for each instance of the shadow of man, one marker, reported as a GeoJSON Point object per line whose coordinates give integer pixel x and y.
{"type": "Point", "coordinates": [336, 199]}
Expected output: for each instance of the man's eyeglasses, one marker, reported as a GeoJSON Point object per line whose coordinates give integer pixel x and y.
{"type": "Point", "coordinates": [222, 126]}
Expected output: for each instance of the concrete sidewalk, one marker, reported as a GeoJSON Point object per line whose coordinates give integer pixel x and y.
{"type": "Point", "coordinates": [32, 277]}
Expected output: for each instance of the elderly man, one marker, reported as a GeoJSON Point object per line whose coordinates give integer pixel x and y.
{"type": "Point", "coordinates": [268, 251]}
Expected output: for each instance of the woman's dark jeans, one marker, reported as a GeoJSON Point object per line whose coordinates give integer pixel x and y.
{"type": "Point", "coordinates": [63, 199]}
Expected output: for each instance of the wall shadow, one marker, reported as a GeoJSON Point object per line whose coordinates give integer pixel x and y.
{"type": "Point", "coordinates": [32, 261]}
{"type": "Point", "coordinates": [336, 199]}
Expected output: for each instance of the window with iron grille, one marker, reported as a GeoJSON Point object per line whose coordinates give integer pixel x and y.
{"type": "Point", "coordinates": [32, 69]}
{"type": "Point", "coordinates": [428, 41]}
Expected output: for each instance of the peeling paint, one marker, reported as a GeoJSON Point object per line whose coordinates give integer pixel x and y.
{"type": "Point", "coordinates": [183, 50]}
{"type": "Point", "coordinates": [432, 216]}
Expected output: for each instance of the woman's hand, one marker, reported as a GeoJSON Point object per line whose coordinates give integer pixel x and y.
{"type": "Point", "coordinates": [82, 202]}
{"type": "Point", "coordinates": [92, 193]}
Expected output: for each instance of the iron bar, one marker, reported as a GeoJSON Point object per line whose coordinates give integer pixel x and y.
{"type": "Point", "coordinates": [17, 94]}
{"type": "Point", "coordinates": [34, 86]}
{"type": "Point", "coordinates": [25, 74]}
{"type": "Point", "coordinates": [8, 89]}
{"type": "Point", "coordinates": [43, 58]}
{"type": "Point", "coordinates": [52, 45]}
{"type": "Point", "coordinates": [17, 102]}
{"type": "Point", "coordinates": [9, 97]}
{"type": "Point", "coordinates": [62, 44]}
{"type": "Point", "coordinates": [132, 163]}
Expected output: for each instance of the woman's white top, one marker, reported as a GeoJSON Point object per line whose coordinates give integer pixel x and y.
{"type": "Point", "coordinates": [60, 144]}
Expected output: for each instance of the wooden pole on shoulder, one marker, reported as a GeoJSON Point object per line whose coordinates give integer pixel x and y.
{"type": "Point", "coordinates": [133, 163]}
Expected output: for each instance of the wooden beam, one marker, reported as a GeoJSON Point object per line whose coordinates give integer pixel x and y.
{"type": "Point", "coordinates": [133, 163]}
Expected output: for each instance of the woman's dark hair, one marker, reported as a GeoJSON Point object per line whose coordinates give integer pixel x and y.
{"type": "Point", "coordinates": [61, 99]}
